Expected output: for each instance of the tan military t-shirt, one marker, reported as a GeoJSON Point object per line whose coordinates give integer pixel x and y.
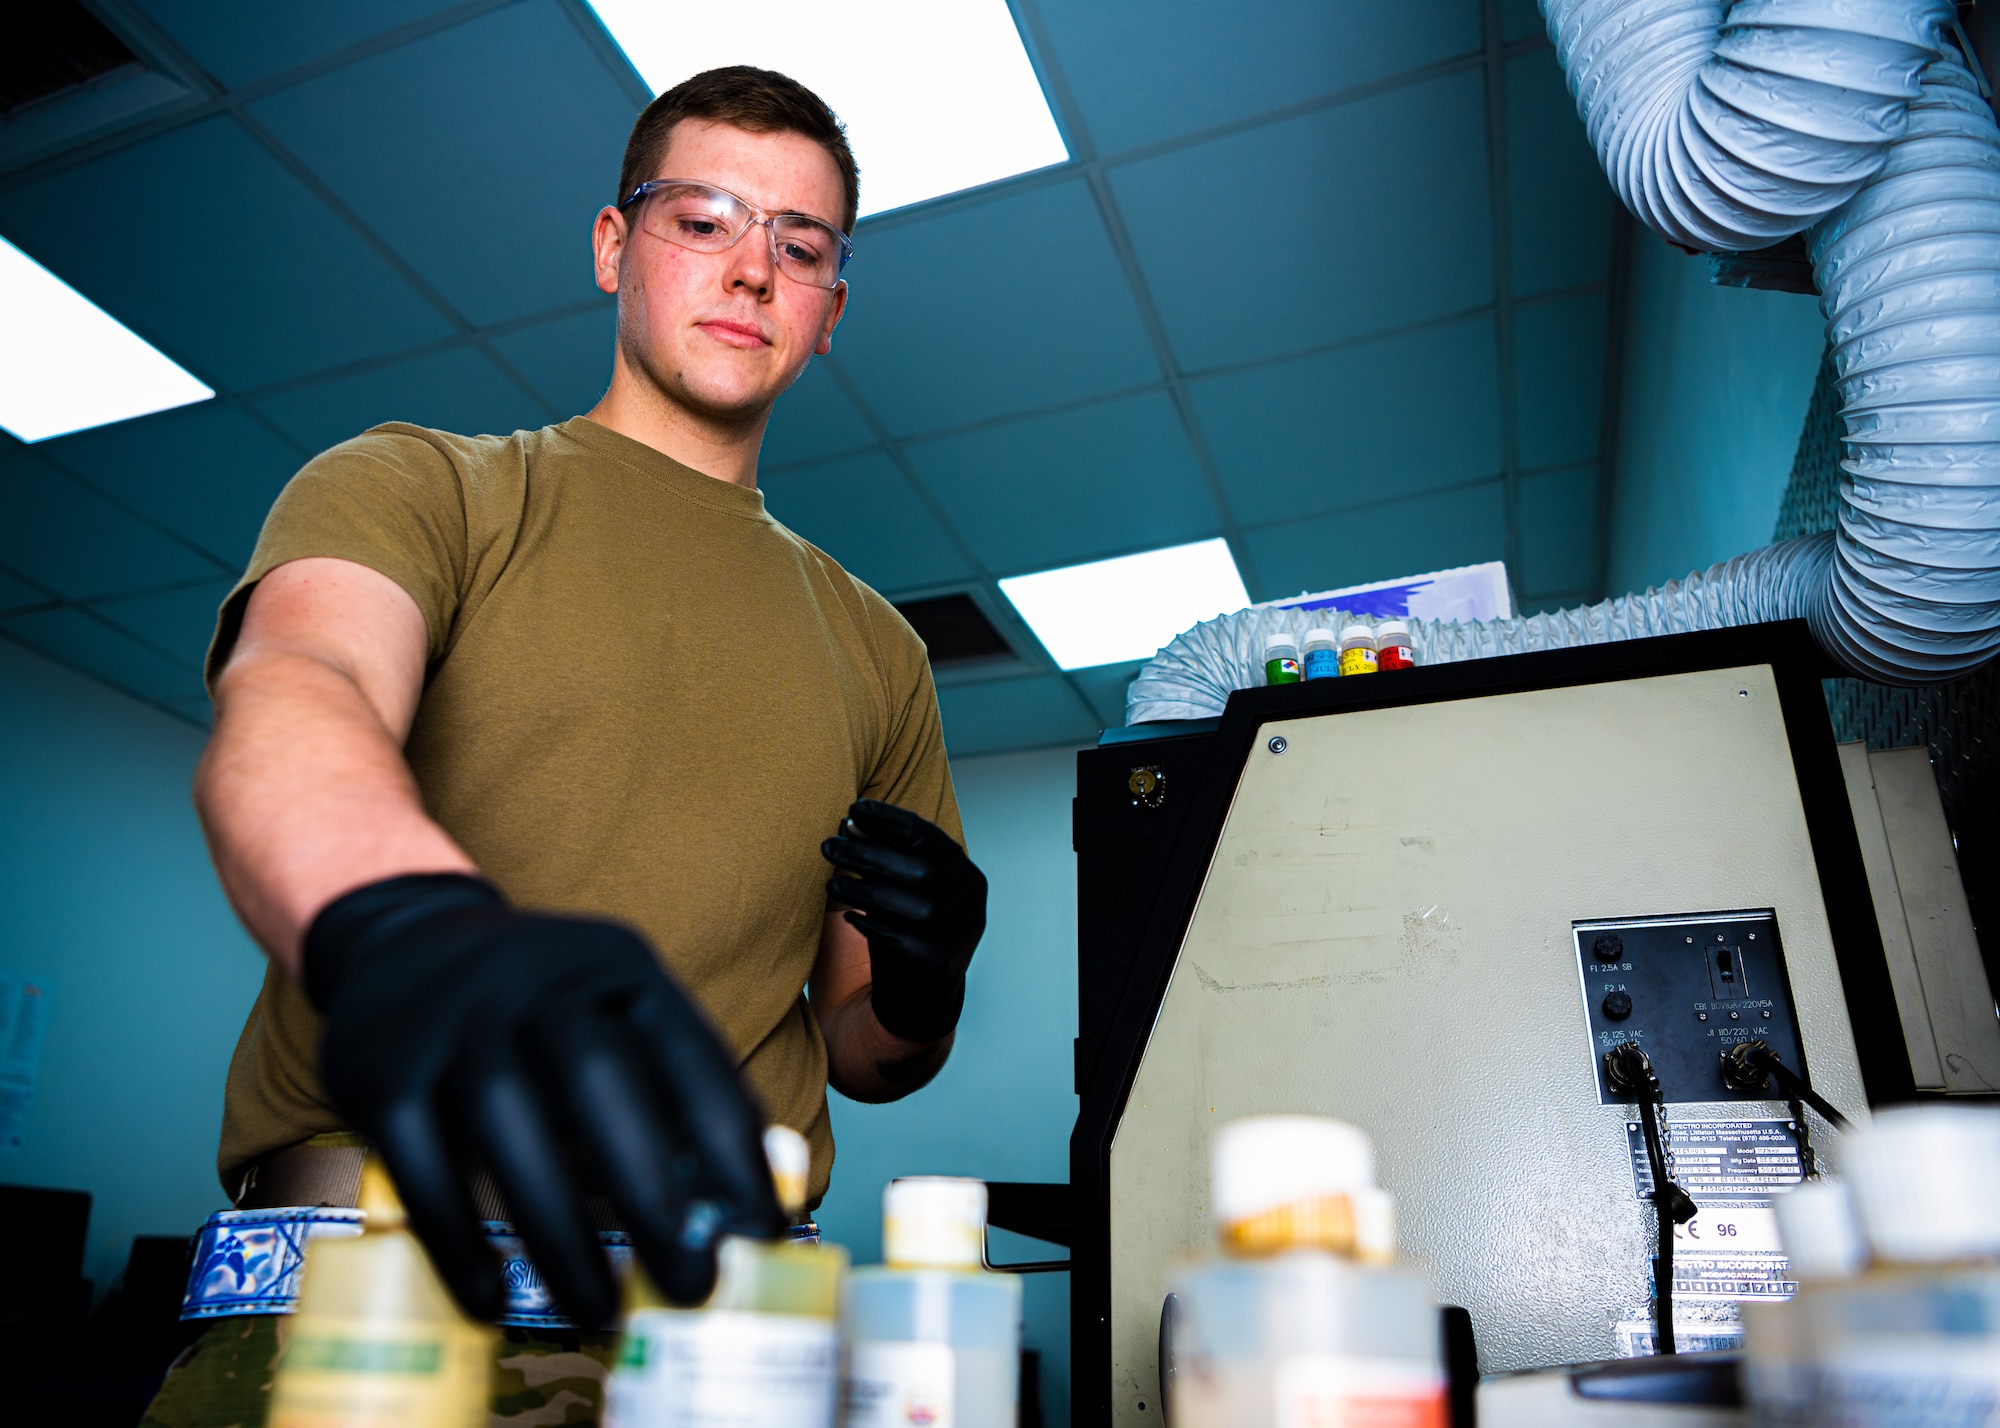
{"type": "Point", "coordinates": [646, 700]}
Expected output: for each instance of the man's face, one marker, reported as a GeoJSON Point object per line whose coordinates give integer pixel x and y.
{"type": "Point", "coordinates": [723, 333]}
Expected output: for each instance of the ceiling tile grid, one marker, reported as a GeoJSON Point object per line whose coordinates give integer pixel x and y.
{"type": "Point", "coordinates": [1261, 302]}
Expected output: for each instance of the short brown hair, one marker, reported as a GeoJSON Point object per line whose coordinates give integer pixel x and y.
{"type": "Point", "coordinates": [759, 100]}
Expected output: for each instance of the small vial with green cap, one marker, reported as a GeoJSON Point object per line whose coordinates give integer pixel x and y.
{"type": "Point", "coordinates": [1281, 660]}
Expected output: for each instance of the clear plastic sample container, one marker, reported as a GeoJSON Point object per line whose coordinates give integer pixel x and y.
{"type": "Point", "coordinates": [932, 1337]}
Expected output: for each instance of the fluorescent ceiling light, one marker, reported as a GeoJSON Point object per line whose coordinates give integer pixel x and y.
{"type": "Point", "coordinates": [67, 364]}
{"type": "Point", "coordinates": [1114, 610]}
{"type": "Point", "coordinates": [937, 95]}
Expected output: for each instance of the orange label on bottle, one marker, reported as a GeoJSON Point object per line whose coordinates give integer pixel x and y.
{"type": "Point", "coordinates": [1347, 1391]}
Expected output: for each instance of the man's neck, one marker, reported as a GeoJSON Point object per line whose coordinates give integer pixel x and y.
{"type": "Point", "coordinates": [725, 450]}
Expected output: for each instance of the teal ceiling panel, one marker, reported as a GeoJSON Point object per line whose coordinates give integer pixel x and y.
{"type": "Point", "coordinates": [1560, 209]}
{"type": "Point", "coordinates": [1405, 537]}
{"type": "Point", "coordinates": [1052, 490]}
{"type": "Point", "coordinates": [179, 622]}
{"type": "Point", "coordinates": [458, 389]}
{"type": "Point", "coordinates": [813, 419]}
{"type": "Point", "coordinates": [1147, 70]}
{"type": "Point", "coordinates": [863, 512]}
{"type": "Point", "coordinates": [567, 360]}
{"type": "Point", "coordinates": [1559, 379]}
{"type": "Point", "coordinates": [1390, 417]}
{"type": "Point", "coordinates": [1520, 20]}
{"type": "Point", "coordinates": [1558, 533]}
{"type": "Point", "coordinates": [206, 245]}
{"type": "Point", "coordinates": [58, 534]}
{"type": "Point", "coordinates": [1001, 714]}
{"type": "Point", "coordinates": [73, 638]}
{"type": "Point", "coordinates": [482, 155]}
{"type": "Point", "coordinates": [239, 41]}
{"type": "Point", "coordinates": [209, 472]}
{"type": "Point", "coordinates": [1330, 226]}
{"type": "Point", "coordinates": [973, 313]}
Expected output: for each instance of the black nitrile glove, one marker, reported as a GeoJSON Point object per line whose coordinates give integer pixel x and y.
{"type": "Point", "coordinates": [551, 1050]}
{"type": "Point", "coordinates": [920, 902]}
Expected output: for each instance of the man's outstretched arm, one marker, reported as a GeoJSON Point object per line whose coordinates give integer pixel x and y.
{"type": "Point", "coordinates": [303, 791]}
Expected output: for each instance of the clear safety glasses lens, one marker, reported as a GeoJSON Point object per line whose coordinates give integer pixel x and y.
{"type": "Point", "coordinates": [708, 220]}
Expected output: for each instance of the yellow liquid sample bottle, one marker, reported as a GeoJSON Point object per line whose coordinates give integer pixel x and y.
{"type": "Point", "coordinates": [378, 1342]}
{"type": "Point", "coordinates": [763, 1352]}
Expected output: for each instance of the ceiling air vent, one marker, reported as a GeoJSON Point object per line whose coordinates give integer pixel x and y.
{"type": "Point", "coordinates": [954, 629]}
{"type": "Point", "coordinates": [48, 46]}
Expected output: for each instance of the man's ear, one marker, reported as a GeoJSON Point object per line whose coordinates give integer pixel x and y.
{"type": "Point", "coordinates": [607, 244]}
{"type": "Point", "coordinates": [825, 343]}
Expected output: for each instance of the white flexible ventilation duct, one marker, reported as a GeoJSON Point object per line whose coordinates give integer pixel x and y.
{"type": "Point", "coordinates": [1851, 118]}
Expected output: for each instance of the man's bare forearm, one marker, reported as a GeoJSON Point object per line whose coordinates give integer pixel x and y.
{"type": "Point", "coordinates": [304, 795]}
{"type": "Point", "coordinates": [867, 1063]}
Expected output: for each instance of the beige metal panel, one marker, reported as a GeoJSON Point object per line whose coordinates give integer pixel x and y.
{"type": "Point", "coordinates": [1925, 1067]}
{"type": "Point", "coordinates": [1384, 935]}
{"type": "Point", "coordinates": [1940, 922]}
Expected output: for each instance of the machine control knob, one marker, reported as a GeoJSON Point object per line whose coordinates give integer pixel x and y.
{"type": "Point", "coordinates": [1608, 947]}
{"type": "Point", "coordinates": [1617, 1005]}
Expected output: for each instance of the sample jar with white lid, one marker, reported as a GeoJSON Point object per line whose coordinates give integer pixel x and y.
{"type": "Point", "coordinates": [1322, 654]}
{"type": "Point", "coordinates": [1302, 1317]}
{"type": "Point", "coordinates": [1914, 1339]}
{"type": "Point", "coordinates": [932, 1336]}
{"type": "Point", "coordinates": [1357, 650]}
{"type": "Point", "coordinates": [1281, 660]}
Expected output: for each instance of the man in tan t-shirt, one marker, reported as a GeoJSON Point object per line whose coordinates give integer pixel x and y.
{"type": "Point", "coordinates": [526, 746]}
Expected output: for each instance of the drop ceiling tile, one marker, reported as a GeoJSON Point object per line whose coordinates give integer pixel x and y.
{"type": "Point", "coordinates": [813, 419]}
{"type": "Point", "coordinates": [1045, 491]}
{"type": "Point", "coordinates": [862, 512]}
{"type": "Point", "coordinates": [568, 360]}
{"type": "Point", "coordinates": [1558, 532]}
{"type": "Point", "coordinates": [1002, 714]}
{"type": "Point", "coordinates": [237, 270]}
{"type": "Point", "coordinates": [209, 472]}
{"type": "Point", "coordinates": [973, 313]}
{"type": "Point", "coordinates": [18, 594]}
{"type": "Point", "coordinates": [1406, 537]}
{"type": "Point", "coordinates": [481, 154]}
{"type": "Point", "coordinates": [1353, 220]}
{"type": "Point", "coordinates": [1520, 20]}
{"type": "Point", "coordinates": [58, 534]}
{"type": "Point", "coordinates": [238, 41]}
{"type": "Point", "coordinates": [178, 622]}
{"type": "Point", "coordinates": [1147, 70]}
{"type": "Point", "coordinates": [1560, 206]}
{"type": "Point", "coordinates": [1396, 415]}
{"type": "Point", "coordinates": [458, 389]}
{"type": "Point", "coordinates": [1104, 686]}
{"type": "Point", "coordinates": [73, 638]}
{"type": "Point", "coordinates": [1559, 379]}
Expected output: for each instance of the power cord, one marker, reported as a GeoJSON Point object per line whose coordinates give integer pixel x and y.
{"type": "Point", "coordinates": [1630, 1072]}
{"type": "Point", "coordinates": [1750, 1066]}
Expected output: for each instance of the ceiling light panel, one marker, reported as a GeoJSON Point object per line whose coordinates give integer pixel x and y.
{"type": "Point", "coordinates": [66, 364]}
{"type": "Point", "coordinates": [1110, 611]}
{"type": "Point", "coordinates": [937, 95]}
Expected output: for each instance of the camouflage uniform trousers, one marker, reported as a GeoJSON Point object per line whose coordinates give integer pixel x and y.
{"type": "Point", "coordinates": [223, 1380]}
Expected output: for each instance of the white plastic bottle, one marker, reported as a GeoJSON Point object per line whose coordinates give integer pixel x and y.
{"type": "Point", "coordinates": [1303, 1319]}
{"type": "Point", "coordinates": [933, 1338]}
{"type": "Point", "coordinates": [1823, 1245]}
{"type": "Point", "coordinates": [763, 1352]}
{"type": "Point", "coordinates": [1914, 1341]}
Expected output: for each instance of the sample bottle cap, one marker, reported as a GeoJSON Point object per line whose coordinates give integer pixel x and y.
{"type": "Point", "coordinates": [381, 1207]}
{"type": "Point", "coordinates": [1321, 639]}
{"type": "Point", "coordinates": [1822, 1238]}
{"type": "Point", "coordinates": [1397, 628]}
{"type": "Point", "coordinates": [791, 1160]}
{"type": "Point", "coordinates": [933, 1221]}
{"type": "Point", "coordinates": [1374, 1225]}
{"type": "Point", "coordinates": [1923, 1179]}
{"type": "Point", "coordinates": [1355, 636]}
{"type": "Point", "coordinates": [1280, 644]}
{"type": "Point", "coordinates": [1262, 1162]}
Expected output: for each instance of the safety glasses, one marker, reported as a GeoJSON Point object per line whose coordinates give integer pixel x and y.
{"type": "Point", "coordinates": [708, 219]}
